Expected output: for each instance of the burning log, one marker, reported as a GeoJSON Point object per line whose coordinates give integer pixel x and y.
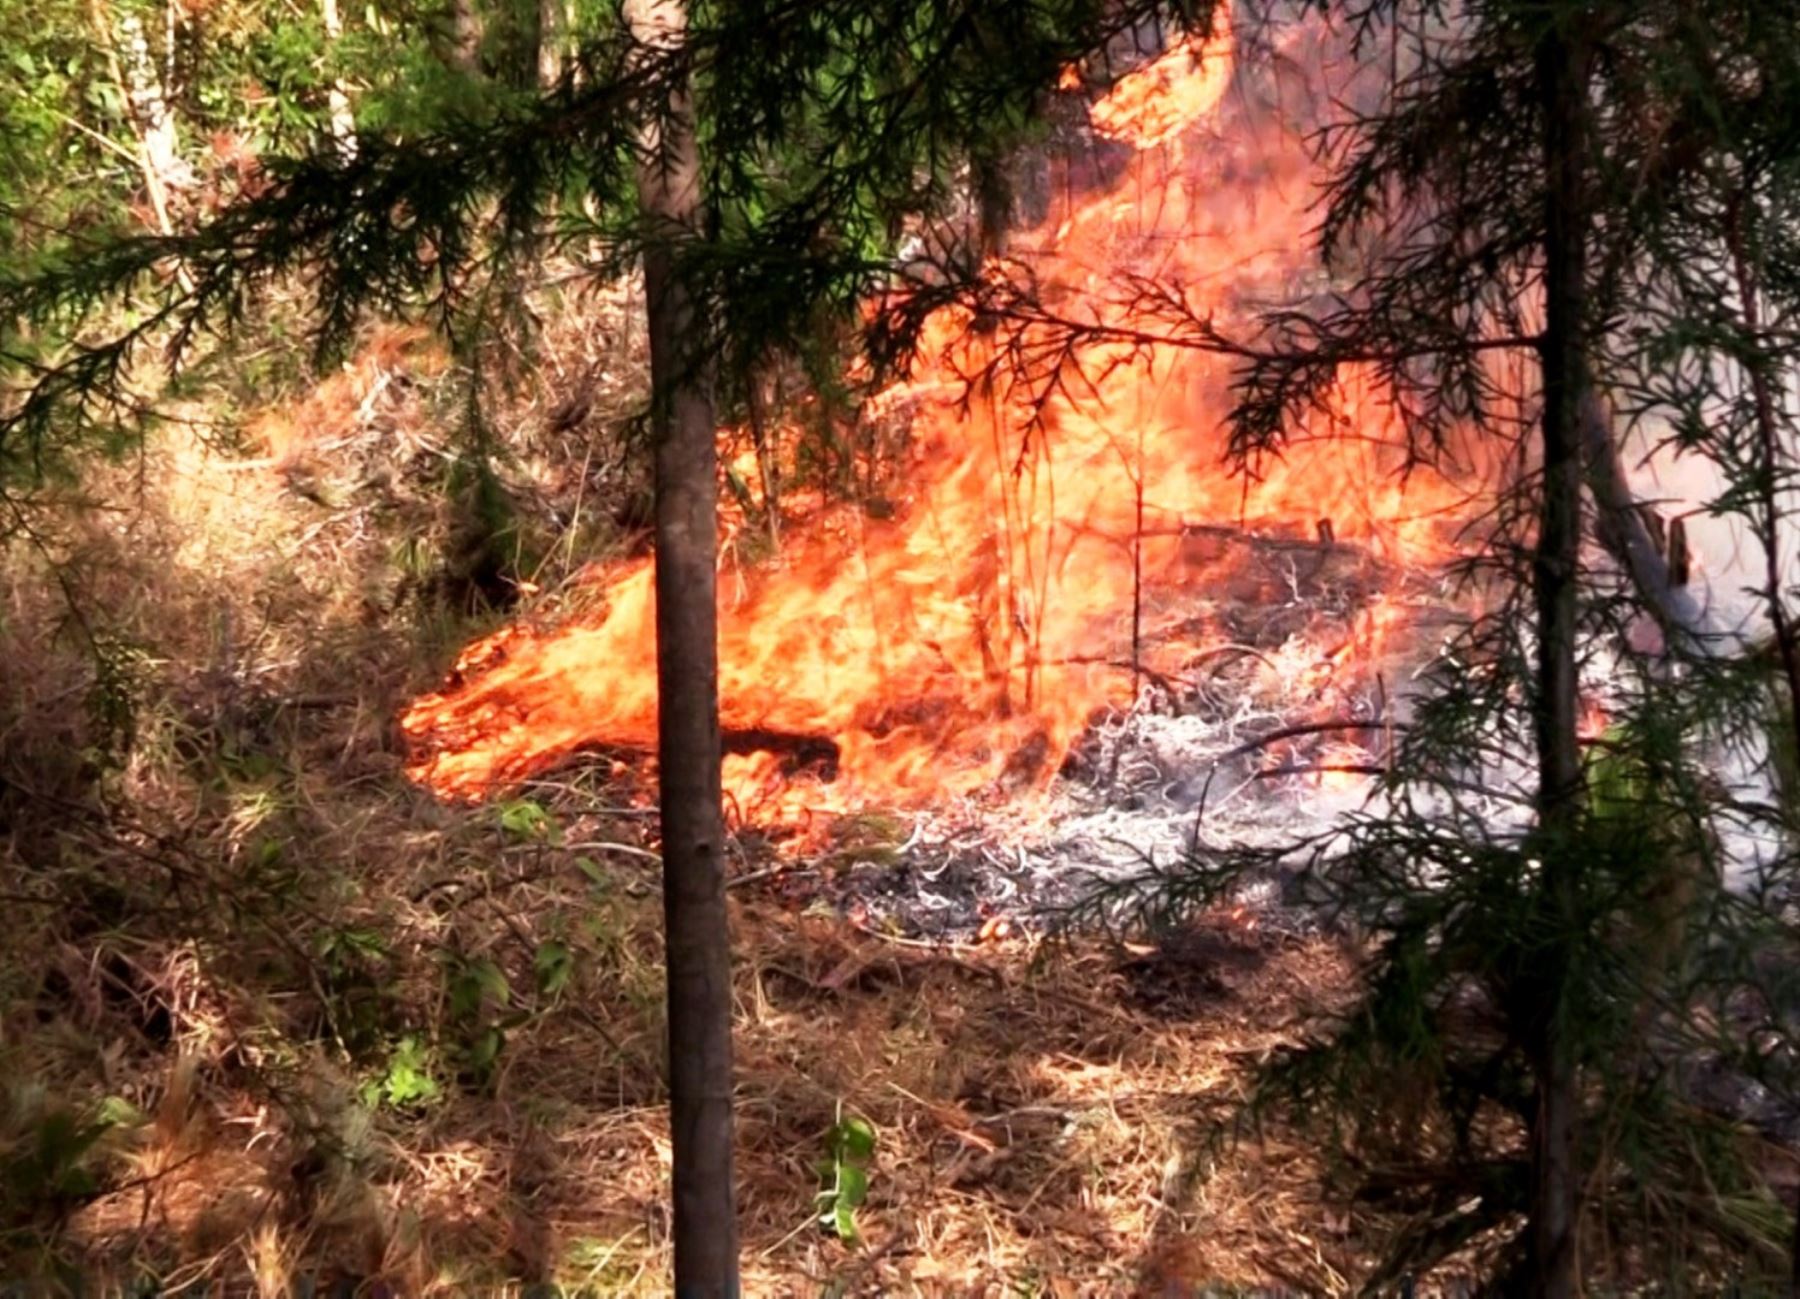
{"type": "Point", "coordinates": [1326, 539]}
{"type": "Point", "coordinates": [1267, 570]}
{"type": "Point", "coordinates": [797, 750]}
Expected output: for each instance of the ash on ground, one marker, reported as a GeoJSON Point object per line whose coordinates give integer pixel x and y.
{"type": "Point", "coordinates": [1260, 714]}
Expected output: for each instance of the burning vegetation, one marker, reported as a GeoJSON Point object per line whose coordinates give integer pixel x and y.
{"type": "Point", "coordinates": [1178, 480]}
{"type": "Point", "coordinates": [1058, 536]}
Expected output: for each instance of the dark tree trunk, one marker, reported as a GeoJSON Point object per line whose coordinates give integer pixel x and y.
{"type": "Point", "coordinates": [523, 54]}
{"type": "Point", "coordinates": [688, 743]}
{"type": "Point", "coordinates": [1555, 1200]}
{"type": "Point", "coordinates": [993, 203]}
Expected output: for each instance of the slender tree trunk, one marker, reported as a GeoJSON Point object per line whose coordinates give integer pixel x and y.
{"type": "Point", "coordinates": [993, 203]}
{"type": "Point", "coordinates": [550, 36]}
{"type": "Point", "coordinates": [464, 53]}
{"type": "Point", "coordinates": [523, 54]}
{"type": "Point", "coordinates": [147, 107]}
{"type": "Point", "coordinates": [337, 96]}
{"type": "Point", "coordinates": [1621, 529]}
{"type": "Point", "coordinates": [1555, 1201]}
{"type": "Point", "coordinates": [693, 831]}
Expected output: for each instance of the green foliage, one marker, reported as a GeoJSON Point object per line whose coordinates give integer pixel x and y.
{"type": "Point", "coordinates": [408, 1080]}
{"type": "Point", "coordinates": [51, 1154]}
{"type": "Point", "coordinates": [825, 128]}
{"type": "Point", "coordinates": [52, 172]}
{"type": "Point", "coordinates": [355, 983]}
{"type": "Point", "coordinates": [475, 984]}
{"type": "Point", "coordinates": [554, 966]}
{"type": "Point", "coordinates": [343, 948]}
{"type": "Point", "coordinates": [600, 1266]}
{"type": "Point", "coordinates": [523, 818]}
{"type": "Point", "coordinates": [849, 1154]}
{"type": "Point", "coordinates": [479, 997]}
{"type": "Point", "coordinates": [113, 697]}
{"type": "Point", "coordinates": [53, 1167]}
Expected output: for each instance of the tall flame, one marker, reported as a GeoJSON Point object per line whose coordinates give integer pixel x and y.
{"type": "Point", "coordinates": [1156, 103]}
{"type": "Point", "coordinates": [969, 639]}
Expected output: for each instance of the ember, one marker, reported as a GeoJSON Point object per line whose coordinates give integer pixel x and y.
{"type": "Point", "coordinates": [964, 644]}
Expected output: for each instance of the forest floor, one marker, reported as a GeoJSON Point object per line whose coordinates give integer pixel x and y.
{"type": "Point", "coordinates": [274, 1012]}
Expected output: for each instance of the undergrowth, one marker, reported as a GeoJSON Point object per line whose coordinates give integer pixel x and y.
{"type": "Point", "coordinates": [274, 1016]}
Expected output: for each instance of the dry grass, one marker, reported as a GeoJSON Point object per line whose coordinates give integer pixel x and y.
{"type": "Point", "coordinates": [1038, 1131]}
{"type": "Point", "coordinates": [235, 926]}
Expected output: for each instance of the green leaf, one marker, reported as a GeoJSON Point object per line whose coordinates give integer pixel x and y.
{"type": "Point", "coordinates": [474, 982]}
{"type": "Point", "coordinates": [337, 945]}
{"type": "Point", "coordinates": [554, 965]}
{"type": "Point", "coordinates": [485, 1049]}
{"type": "Point", "coordinates": [525, 819]}
{"type": "Point", "coordinates": [856, 1139]}
{"type": "Point", "coordinates": [116, 1111]}
{"type": "Point", "coordinates": [407, 1081]}
{"type": "Point", "coordinates": [492, 980]}
{"type": "Point", "coordinates": [52, 1166]}
{"type": "Point", "coordinates": [849, 1145]}
{"type": "Point", "coordinates": [853, 1186]}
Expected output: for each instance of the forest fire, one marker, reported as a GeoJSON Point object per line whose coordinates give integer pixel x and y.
{"type": "Point", "coordinates": [1156, 103]}
{"type": "Point", "coordinates": [965, 643]}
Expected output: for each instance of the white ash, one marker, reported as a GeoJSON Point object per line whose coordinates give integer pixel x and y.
{"type": "Point", "coordinates": [1147, 787]}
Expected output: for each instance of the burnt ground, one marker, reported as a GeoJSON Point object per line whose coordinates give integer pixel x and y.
{"type": "Point", "coordinates": [1205, 757]}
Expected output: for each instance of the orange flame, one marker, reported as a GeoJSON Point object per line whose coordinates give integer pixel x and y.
{"type": "Point", "coordinates": [963, 644]}
{"type": "Point", "coordinates": [1156, 103]}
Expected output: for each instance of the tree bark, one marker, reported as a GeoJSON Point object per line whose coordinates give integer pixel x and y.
{"type": "Point", "coordinates": [523, 53]}
{"type": "Point", "coordinates": [1621, 529]}
{"type": "Point", "coordinates": [993, 203]}
{"type": "Point", "coordinates": [464, 53]}
{"type": "Point", "coordinates": [337, 95]}
{"type": "Point", "coordinates": [1555, 1200]}
{"type": "Point", "coordinates": [147, 108]}
{"type": "Point", "coordinates": [688, 742]}
{"type": "Point", "coordinates": [551, 33]}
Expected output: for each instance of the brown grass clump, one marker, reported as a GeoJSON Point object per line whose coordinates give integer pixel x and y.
{"type": "Point", "coordinates": [272, 1014]}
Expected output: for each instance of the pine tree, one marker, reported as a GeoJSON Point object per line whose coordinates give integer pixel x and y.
{"type": "Point", "coordinates": [687, 681]}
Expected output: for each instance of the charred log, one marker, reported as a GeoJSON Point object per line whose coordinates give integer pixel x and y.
{"type": "Point", "coordinates": [798, 750]}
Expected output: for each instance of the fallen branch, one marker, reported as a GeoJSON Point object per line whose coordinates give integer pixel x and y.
{"type": "Point", "coordinates": [1622, 529]}
{"type": "Point", "coordinates": [1303, 729]}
